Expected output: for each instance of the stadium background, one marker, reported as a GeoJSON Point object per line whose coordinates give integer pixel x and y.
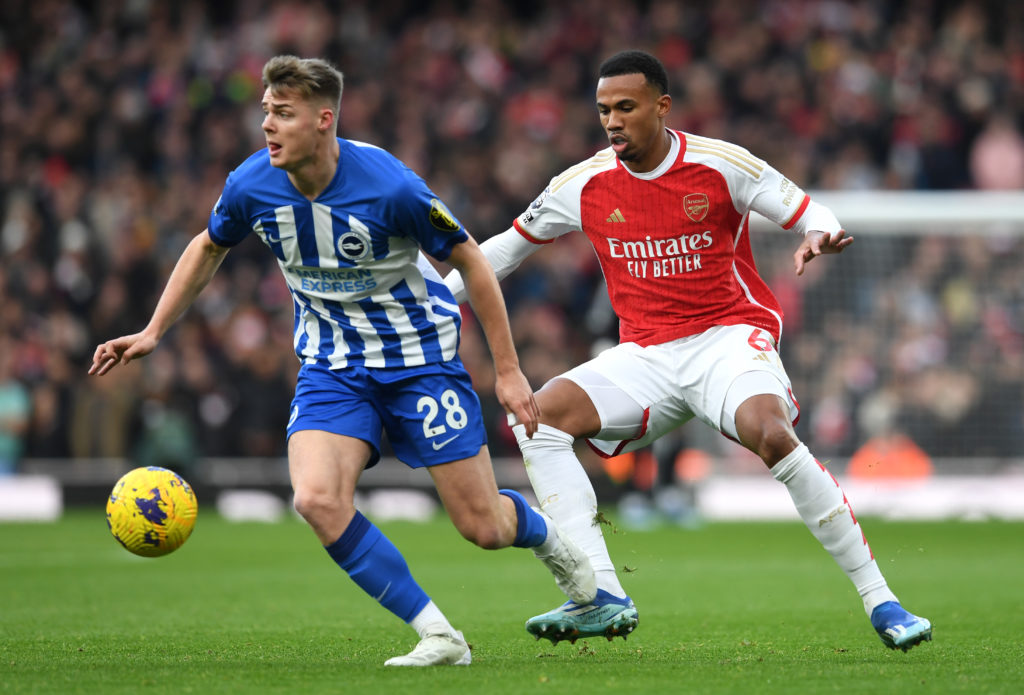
{"type": "Point", "coordinates": [120, 120]}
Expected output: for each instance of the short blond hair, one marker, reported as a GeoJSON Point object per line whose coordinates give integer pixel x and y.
{"type": "Point", "coordinates": [313, 78]}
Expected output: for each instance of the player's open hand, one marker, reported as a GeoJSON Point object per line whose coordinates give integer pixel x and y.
{"type": "Point", "coordinates": [516, 396]}
{"type": "Point", "coordinates": [120, 351]}
{"type": "Point", "coordinates": [817, 243]}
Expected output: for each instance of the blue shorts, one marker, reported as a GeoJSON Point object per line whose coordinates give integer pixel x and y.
{"type": "Point", "coordinates": [431, 413]}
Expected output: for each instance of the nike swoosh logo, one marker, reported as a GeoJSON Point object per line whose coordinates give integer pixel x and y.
{"type": "Point", "coordinates": [440, 445]}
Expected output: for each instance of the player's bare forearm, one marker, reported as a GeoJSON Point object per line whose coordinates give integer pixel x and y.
{"type": "Point", "coordinates": [191, 274]}
{"type": "Point", "coordinates": [512, 388]}
{"type": "Point", "coordinates": [485, 298]}
{"type": "Point", "coordinates": [818, 243]}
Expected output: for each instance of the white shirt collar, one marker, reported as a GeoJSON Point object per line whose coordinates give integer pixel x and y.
{"type": "Point", "coordinates": [666, 164]}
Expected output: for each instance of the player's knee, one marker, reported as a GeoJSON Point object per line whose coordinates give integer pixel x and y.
{"type": "Point", "coordinates": [315, 505]}
{"type": "Point", "coordinates": [777, 439]}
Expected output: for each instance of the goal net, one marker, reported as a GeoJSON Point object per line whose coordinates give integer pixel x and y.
{"type": "Point", "coordinates": [914, 336]}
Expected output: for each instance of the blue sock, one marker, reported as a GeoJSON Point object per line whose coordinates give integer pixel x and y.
{"type": "Point", "coordinates": [531, 529]}
{"type": "Point", "coordinates": [374, 563]}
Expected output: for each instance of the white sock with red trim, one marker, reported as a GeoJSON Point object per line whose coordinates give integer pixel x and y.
{"type": "Point", "coordinates": [566, 494]}
{"type": "Point", "coordinates": [825, 510]}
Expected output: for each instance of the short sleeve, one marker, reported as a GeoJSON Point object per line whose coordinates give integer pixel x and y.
{"type": "Point", "coordinates": [556, 211]}
{"type": "Point", "coordinates": [421, 215]}
{"type": "Point", "coordinates": [227, 226]}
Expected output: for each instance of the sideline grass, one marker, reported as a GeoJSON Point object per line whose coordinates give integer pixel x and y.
{"type": "Point", "coordinates": [253, 608]}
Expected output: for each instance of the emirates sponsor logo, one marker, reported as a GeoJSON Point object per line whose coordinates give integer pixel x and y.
{"type": "Point", "coordinates": [659, 248]}
{"type": "Point", "coordinates": [658, 258]}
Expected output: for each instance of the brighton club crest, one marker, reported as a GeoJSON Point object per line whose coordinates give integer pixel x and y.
{"type": "Point", "coordinates": [355, 244]}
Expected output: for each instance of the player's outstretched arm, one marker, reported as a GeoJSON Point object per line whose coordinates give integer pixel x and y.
{"type": "Point", "coordinates": [481, 285]}
{"type": "Point", "coordinates": [817, 243]}
{"type": "Point", "coordinates": [191, 274]}
{"type": "Point", "coordinates": [504, 252]}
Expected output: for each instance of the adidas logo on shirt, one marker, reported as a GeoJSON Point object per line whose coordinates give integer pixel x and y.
{"type": "Point", "coordinates": [616, 216]}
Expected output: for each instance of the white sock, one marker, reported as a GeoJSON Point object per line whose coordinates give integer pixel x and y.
{"type": "Point", "coordinates": [566, 495]}
{"type": "Point", "coordinates": [826, 512]}
{"type": "Point", "coordinates": [431, 621]}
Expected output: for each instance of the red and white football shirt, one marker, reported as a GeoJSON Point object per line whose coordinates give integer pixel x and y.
{"type": "Point", "coordinates": [674, 242]}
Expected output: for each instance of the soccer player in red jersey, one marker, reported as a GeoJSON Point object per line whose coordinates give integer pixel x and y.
{"type": "Point", "coordinates": [667, 213]}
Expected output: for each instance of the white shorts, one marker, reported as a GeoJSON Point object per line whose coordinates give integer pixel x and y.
{"type": "Point", "coordinates": [643, 392]}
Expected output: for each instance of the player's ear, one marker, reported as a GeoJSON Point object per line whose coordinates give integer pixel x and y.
{"type": "Point", "coordinates": [664, 105]}
{"type": "Point", "coordinates": [326, 119]}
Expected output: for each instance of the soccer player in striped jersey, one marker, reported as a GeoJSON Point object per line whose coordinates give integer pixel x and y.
{"type": "Point", "coordinates": [377, 334]}
{"type": "Point", "coordinates": [667, 213]}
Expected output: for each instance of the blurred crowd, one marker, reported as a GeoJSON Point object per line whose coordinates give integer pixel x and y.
{"type": "Point", "coordinates": [119, 121]}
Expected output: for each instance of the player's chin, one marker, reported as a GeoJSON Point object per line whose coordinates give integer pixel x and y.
{"type": "Point", "coordinates": [277, 157]}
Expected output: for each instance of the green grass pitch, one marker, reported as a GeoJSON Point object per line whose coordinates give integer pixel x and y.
{"type": "Point", "coordinates": [727, 608]}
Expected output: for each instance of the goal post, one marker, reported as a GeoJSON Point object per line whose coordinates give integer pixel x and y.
{"type": "Point", "coordinates": [921, 212]}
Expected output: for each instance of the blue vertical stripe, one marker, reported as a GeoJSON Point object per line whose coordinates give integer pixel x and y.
{"type": "Point", "coordinates": [426, 330]}
{"type": "Point", "coordinates": [356, 344]}
{"type": "Point", "coordinates": [392, 349]}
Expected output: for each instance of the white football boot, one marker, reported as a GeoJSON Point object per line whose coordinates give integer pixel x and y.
{"type": "Point", "coordinates": [436, 650]}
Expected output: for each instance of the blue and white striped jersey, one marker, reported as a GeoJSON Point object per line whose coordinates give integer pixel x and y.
{"type": "Point", "coordinates": [364, 295]}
